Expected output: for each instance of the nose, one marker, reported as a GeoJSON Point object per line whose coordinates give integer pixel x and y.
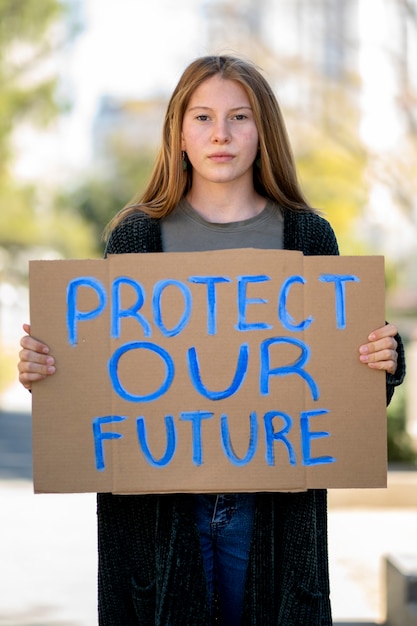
{"type": "Point", "coordinates": [221, 132]}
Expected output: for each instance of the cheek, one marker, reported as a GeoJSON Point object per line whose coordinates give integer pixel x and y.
{"type": "Point", "coordinates": [193, 142]}
{"type": "Point", "coordinates": [252, 142]}
{"type": "Point", "coordinates": [188, 139]}
{"type": "Point", "coordinates": [252, 136]}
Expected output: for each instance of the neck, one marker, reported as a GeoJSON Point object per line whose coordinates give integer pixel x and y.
{"type": "Point", "coordinates": [225, 203]}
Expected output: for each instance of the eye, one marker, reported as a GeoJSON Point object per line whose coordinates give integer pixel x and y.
{"type": "Point", "coordinates": [202, 118]}
{"type": "Point", "coordinates": [240, 116]}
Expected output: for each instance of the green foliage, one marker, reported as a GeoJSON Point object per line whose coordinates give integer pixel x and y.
{"type": "Point", "coordinates": [332, 162]}
{"type": "Point", "coordinates": [30, 221]}
{"type": "Point", "coordinates": [400, 449]}
{"type": "Point", "coordinates": [8, 371]}
{"type": "Point", "coordinates": [102, 194]}
{"type": "Point", "coordinates": [332, 177]}
{"type": "Point", "coordinates": [31, 31]}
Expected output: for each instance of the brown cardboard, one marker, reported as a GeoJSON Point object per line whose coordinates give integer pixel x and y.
{"type": "Point", "coordinates": [115, 380]}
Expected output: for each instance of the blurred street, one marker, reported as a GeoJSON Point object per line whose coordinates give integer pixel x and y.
{"type": "Point", "coordinates": [48, 543]}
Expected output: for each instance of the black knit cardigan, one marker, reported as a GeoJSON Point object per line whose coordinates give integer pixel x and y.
{"type": "Point", "coordinates": [150, 563]}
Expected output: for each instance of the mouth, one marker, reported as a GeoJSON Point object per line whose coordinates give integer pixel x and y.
{"type": "Point", "coordinates": [221, 157]}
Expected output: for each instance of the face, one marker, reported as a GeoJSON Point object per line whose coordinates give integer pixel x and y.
{"type": "Point", "coordinates": [219, 133]}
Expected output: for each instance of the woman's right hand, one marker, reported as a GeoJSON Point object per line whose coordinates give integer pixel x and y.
{"type": "Point", "coordinates": [35, 362]}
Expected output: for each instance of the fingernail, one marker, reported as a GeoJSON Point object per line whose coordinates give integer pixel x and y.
{"type": "Point", "coordinates": [363, 349]}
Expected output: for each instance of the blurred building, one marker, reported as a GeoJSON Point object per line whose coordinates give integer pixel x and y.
{"type": "Point", "coordinates": [126, 124]}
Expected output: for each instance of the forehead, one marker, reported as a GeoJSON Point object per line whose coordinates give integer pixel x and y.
{"type": "Point", "coordinates": [215, 91]}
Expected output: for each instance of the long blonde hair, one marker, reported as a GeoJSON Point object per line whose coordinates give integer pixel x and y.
{"type": "Point", "coordinates": [276, 176]}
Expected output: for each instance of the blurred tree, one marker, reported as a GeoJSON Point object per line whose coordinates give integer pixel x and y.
{"type": "Point", "coordinates": [25, 41]}
{"type": "Point", "coordinates": [30, 33]}
{"type": "Point", "coordinates": [109, 187]}
{"type": "Point", "coordinates": [332, 164]}
{"type": "Point", "coordinates": [333, 180]}
{"type": "Point", "coordinates": [400, 445]}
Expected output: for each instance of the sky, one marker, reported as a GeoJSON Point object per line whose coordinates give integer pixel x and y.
{"type": "Point", "coordinates": [129, 48]}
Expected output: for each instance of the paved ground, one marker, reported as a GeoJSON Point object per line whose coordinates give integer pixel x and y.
{"type": "Point", "coordinates": [48, 554]}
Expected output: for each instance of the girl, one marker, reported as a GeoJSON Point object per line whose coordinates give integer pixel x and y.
{"type": "Point", "coordinates": [224, 177]}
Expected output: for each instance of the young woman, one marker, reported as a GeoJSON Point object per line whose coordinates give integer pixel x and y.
{"type": "Point", "coordinates": [224, 178]}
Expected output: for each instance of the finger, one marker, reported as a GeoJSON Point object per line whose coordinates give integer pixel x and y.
{"type": "Point", "coordinates": [37, 365]}
{"type": "Point", "coordinates": [381, 355]}
{"type": "Point", "coordinates": [31, 344]}
{"type": "Point", "coordinates": [26, 357]}
{"type": "Point", "coordinates": [381, 360]}
{"type": "Point", "coordinates": [388, 330]}
{"type": "Point", "coordinates": [27, 378]}
{"type": "Point", "coordinates": [31, 371]}
{"type": "Point", "coordinates": [388, 343]}
{"type": "Point", "coordinates": [389, 365]}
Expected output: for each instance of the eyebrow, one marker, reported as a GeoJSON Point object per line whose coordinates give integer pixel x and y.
{"type": "Point", "coordinates": [206, 108]}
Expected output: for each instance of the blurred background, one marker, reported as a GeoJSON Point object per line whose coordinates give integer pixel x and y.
{"type": "Point", "coordinates": [83, 89]}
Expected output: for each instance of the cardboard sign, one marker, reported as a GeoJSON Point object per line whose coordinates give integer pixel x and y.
{"type": "Point", "coordinates": [217, 371]}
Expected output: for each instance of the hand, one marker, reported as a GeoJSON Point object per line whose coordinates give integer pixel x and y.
{"type": "Point", "coordinates": [35, 362]}
{"type": "Point", "coordinates": [381, 351]}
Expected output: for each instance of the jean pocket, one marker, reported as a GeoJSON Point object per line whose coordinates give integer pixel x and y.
{"type": "Point", "coordinates": [144, 602]}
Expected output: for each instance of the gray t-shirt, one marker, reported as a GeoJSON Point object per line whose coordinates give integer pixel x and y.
{"type": "Point", "coordinates": [184, 230]}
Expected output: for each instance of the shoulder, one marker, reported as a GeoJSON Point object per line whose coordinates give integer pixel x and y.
{"type": "Point", "coordinates": [309, 232]}
{"type": "Point", "coordinates": [137, 232]}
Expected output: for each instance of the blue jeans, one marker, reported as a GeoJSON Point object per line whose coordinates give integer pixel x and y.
{"type": "Point", "coordinates": [225, 522]}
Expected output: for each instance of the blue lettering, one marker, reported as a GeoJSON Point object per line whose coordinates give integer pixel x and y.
{"type": "Point", "coordinates": [210, 281]}
{"type": "Point", "coordinates": [271, 436]}
{"type": "Point", "coordinates": [138, 345]}
{"type": "Point", "coordinates": [340, 294]}
{"type": "Point", "coordinates": [132, 311]}
{"type": "Point", "coordinates": [171, 442]}
{"type": "Point", "coordinates": [243, 302]}
{"type": "Point", "coordinates": [285, 317]}
{"type": "Point", "coordinates": [73, 314]}
{"type": "Point", "coordinates": [196, 418]}
{"type": "Point", "coordinates": [99, 437]}
{"type": "Point", "coordinates": [159, 288]}
{"type": "Point", "coordinates": [227, 445]}
{"type": "Point", "coordinates": [307, 436]}
{"type": "Point", "coordinates": [296, 368]}
{"type": "Point", "coordinates": [239, 377]}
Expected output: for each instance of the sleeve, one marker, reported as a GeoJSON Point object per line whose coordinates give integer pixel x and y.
{"type": "Point", "coordinates": [309, 233]}
{"type": "Point", "coordinates": [122, 238]}
{"type": "Point", "coordinates": [393, 380]}
{"type": "Point", "coordinates": [136, 233]}
{"type": "Point", "coordinates": [322, 239]}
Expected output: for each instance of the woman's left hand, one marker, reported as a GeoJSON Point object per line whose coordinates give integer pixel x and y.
{"type": "Point", "coordinates": [381, 351]}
